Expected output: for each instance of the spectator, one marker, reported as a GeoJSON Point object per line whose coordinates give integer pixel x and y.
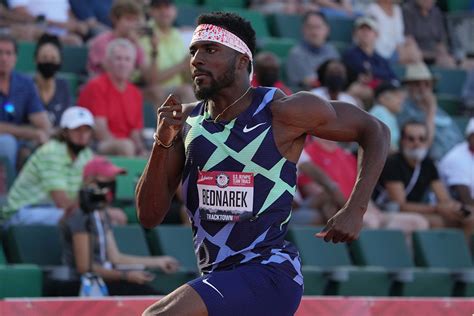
{"type": "Point", "coordinates": [332, 75]}
{"type": "Point", "coordinates": [94, 13]}
{"type": "Point", "coordinates": [127, 19]}
{"type": "Point", "coordinates": [421, 105]}
{"type": "Point", "coordinates": [457, 168]}
{"type": "Point", "coordinates": [362, 60]}
{"type": "Point", "coordinates": [425, 23]}
{"type": "Point", "coordinates": [318, 197]}
{"type": "Point", "coordinates": [311, 52]}
{"type": "Point", "coordinates": [282, 6]}
{"type": "Point", "coordinates": [335, 8]}
{"type": "Point", "coordinates": [267, 72]}
{"type": "Point", "coordinates": [55, 17]}
{"type": "Point", "coordinates": [90, 227]}
{"type": "Point", "coordinates": [23, 120]}
{"type": "Point", "coordinates": [391, 43]}
{"type": "Point", "coordinates": [46, 188]}
{"type": "Point", "coordinates": [409, 175]}
{"type": "Point", "coordinates": [171, 53]}
{"type": "Point", "coordinates": [389, 97]}
{"type": "Point", "coordinates": [341, 167]}
{"type": "Point", "coordinates": [117, 104]}
{"type": "Point", "coordinates": [53, 91]}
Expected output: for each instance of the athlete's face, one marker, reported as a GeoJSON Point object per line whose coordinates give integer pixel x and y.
{"type": "Point", "coordinates": [213, 68]}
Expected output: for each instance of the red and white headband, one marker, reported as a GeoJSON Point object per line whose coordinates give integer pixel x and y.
{"type": "Point", "coordinates": [214, 33]}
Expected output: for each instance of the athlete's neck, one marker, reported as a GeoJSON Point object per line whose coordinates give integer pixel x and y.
{"type": "Point", "coordinates": [229, 102]}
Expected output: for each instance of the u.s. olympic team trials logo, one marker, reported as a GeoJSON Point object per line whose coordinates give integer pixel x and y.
{"type": "Point", "coordinates": [222, 180]}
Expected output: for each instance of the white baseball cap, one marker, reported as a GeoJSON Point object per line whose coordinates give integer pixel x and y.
{"type": "Point", "coordinates": [76, 116]}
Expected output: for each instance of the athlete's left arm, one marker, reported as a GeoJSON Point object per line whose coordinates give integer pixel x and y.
{"type": "Point", "coordinates": [305, 113]}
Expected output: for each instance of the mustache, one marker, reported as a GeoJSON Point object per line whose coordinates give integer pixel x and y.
{"type": "Point", "coordinates": [201, 71]}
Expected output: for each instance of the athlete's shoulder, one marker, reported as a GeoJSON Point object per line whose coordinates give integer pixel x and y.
{"type": "Point", "coordinates": [284, 104]}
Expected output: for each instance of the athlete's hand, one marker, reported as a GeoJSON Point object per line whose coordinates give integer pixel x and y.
{"type": "Point", "coordinates": [169, 120]}
{"type": "Point", "coordinates": [344, 226]}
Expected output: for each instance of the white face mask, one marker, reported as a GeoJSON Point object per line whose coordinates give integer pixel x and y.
{"type": "Point", "coordinates": [417, 154]}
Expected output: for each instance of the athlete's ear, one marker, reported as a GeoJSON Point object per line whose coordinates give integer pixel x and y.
{"type": "Point", "coordinates": [243, 62]}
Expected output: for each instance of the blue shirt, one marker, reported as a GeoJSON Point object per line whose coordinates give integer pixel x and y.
{"type": "Point", "coordinates": [359, 62]}
{"type": "Point", "coordinates": [22, 100]}
{"type": "Point", "coordinates": [85, 9]}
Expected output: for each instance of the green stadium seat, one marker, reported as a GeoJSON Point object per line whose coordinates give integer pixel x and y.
{"type": "Point", "coordinates": [126, 183]}
{"type": "Point", "coordinates": [450, 81]}
{"type": "Point", "coordinates": [20, 280]}
{"type": "Point", "coordinates": [131, 240]}
{"type": "Point", "coordinates": [149, 115]}
{"type": "Point", "coordinates": [25, 58]}
{"type": "Point", "coordinates": [125, 190]}
{"type": "Point", "coordinates": [341, 29]}
{"type": "Point", "coordinates": [187, 15]}
{"type": "Point", "coordinates": [449, 103]}
{"type": "Point", "coordinates": [186, 2]}
{"type": "Point", "coordinates": [257, 19]}
{"type": "Point", "coordinates": [36, 244]}
{"type": "Point", "coordinates": [176, 241]}
{"type": "Point", "coordinates": [371, 250]}
{"type": "Point", "coordinates": [285, 25]}
{"type": "Point", "coordinates": [333, 259]}
{"type": "Point", "coordinates": [279, 46]}
{"type": "Point", "coordinates": [26, 278]}
{"type": "Point", "coordinates": [447, 249]}
{"type": "Point", "coordinates": [75, 59]}
{"type": "Point", "coordinates": [217, 4]}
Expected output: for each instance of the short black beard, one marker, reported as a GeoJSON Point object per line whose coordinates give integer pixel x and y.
{"type": "Point", "coordinates": [224, 81]}
{"type": "Point", "coordinates": [75, 148]}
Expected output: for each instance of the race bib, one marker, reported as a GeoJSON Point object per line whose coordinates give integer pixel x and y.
{"type": "Point", "coordinates": [225, 196]}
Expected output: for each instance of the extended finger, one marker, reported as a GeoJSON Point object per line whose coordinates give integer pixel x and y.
{"type": "Point", "coordinates": [323, 232]}
{"type": "Point", "coordinates": [171, 100]}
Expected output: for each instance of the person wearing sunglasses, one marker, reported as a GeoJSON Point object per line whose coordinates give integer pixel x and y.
{"type": "Point", "coordinates": [410, 178]}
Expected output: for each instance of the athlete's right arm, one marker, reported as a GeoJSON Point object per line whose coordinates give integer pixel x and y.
{"type": "Point", "coordinates": [160, 179]}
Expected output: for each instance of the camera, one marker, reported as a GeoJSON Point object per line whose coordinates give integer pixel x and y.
{"type": "Point", "coordinates": [92, 198]}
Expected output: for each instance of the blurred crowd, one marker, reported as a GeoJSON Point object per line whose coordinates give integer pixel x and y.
{"type": "Point", "coordinates": [137, 55]}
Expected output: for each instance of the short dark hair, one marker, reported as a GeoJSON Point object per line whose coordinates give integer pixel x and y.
{"type": "Point", "coordinates": [309, 14]}
{"type": "Point", "coordinates": [10, 39]}
{"type": "Point", "coordinates": [321, 71]}
{"type": "Point", "coordinates": [48, 39]}
{"type": "Point", "coordinates": [232, 23]}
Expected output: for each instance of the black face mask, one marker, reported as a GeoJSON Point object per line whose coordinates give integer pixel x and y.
{"type": "Point", "coordinates": [75, 148]}
{"type": "Point", "coordinates": [335, 83]}
{"type": "Point", "coordinates": [110, 186]}
{"type": "Point", "coordinates": [48, 70]}
{"type": "Point", "coordinates": [268, 78]}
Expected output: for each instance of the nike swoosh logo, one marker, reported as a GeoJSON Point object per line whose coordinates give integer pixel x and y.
{"type": "Point", "coordinates": [246, 130]}
{"type": "Point", "coordinates": [205, 281]}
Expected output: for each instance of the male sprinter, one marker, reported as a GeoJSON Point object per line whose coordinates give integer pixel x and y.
{"type": "Point", "coordinates": [235, 152]}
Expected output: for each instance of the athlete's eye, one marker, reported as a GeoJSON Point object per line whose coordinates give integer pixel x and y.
{"type": "Point", "coordinates": [211, 50]}
{"type": "Point", "coordinates": [192, 52]}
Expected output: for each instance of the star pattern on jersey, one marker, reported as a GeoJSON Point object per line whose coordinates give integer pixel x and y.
{"type": "Point", "coordinates": [223, 151]}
